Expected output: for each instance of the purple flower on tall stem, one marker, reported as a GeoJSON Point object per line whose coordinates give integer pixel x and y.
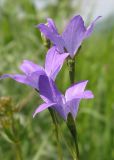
{"type": "Point", "coordinates": [53, 64]}
{"type": "Point", "coordinates": [62, 104]}
{"type": "Point", "coordinates": [72, 37]}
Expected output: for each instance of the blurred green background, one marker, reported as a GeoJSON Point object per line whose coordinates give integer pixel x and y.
{"type": "Point", "coordinates": [21, 136]}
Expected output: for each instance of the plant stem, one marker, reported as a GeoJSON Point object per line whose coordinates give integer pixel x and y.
{"type": "Point", "coordinates": [18, 151]}
{"type": "Point", "coordinates": [71, 65]}
{"type": "Point", "coordinates": [55, 122]}
{"type": "Point", "coordinates": [17, 146]}
{"type": "Point", "coordinates": [72, 127]}
{"type": "Point", "coordinates": [70, 121]}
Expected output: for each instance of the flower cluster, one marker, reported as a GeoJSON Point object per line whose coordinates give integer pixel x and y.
{"type": "Point", "coordinates": [42, 79]}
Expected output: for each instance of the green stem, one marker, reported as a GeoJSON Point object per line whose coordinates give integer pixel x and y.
{"type": "Point", "coordinates": [72, 127]}
{"type": "Point", "coordinates": [55, 122]}
{"type": "Point", "coordinates": [18, 151]}
{"type": "Point", "coordinates": [71, 65]}
{"type": "Point", "coordinates": [17, 145]}
{"type": "Point", "coordinates": [70, 121]}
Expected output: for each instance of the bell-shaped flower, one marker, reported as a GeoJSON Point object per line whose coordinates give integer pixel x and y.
{"type": "Point", "coordinates": [31, 71]}
{"type": "Point", "coordinates": [72, 37]}
{"type": "Point", "coordinates": [62, 104]}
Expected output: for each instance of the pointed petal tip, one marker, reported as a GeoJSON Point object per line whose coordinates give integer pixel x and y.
{"type": "Point", "coordinates": [86, 81]}
{"type": "Point", "coordinates": [77, 16]}
{"type": "Point", "coordinates": [39, 25]}
{"type": "Point", "coordinates": [4, 76]}
{"type": "Point", "coordinates": [87, 95]}
{"type": "Point", "coordinates": [83, 82]}
{"type": "Point", "coordinates": [92, 95]}
{"type": "Point", "coordinates": [97, 18]}
{"type": "Point", "coordinates": [42, 107]}
{"type": "Point", "coordinates": [81, 18]}
{"type": "Point", "coordinates": [90, 28]}
{"type": "Point", "coordinates": [48, 19]}
{"type": "Point", "coordinates": [34, 114]}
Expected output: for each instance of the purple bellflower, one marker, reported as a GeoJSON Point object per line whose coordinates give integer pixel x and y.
{"type": "Point", "coordinates": [72, 37]}
{"type": "Point", "coordinates": [53, 64]}
{"type": "Point", "coordinates": [62, 104]}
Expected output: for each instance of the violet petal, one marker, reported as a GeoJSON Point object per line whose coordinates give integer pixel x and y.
{"type": "Point", "coordinates": [72, 107]}
{"type": "Point", "coordinates": [28, 67]}
{"type": "Point", "coordinates": [30, 80]}
{"type": "Point", "coordinates": [90, 28]}
{"type": "Point", "coordinates": [45, 89]}
{"type": "Point", "coordinates": [54, 62]}
{"type": "Point", "coordinates": [55, 38]}
{"type": "Point", "coordinates": [74, 34]}
{"type": "Point", "coordinates": [51, 25]}
{"type": "Point", "coordinates": [75, 90]}
{"type": "Point", "coordinates": [43, 107]}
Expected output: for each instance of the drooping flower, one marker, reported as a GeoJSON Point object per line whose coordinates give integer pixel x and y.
{"type": "Point", "coordinates": [62, 104]}
{"type": "Point", "coordinates": [72, 37]}
{"type": "Point", "coordinates": [53, 64]}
